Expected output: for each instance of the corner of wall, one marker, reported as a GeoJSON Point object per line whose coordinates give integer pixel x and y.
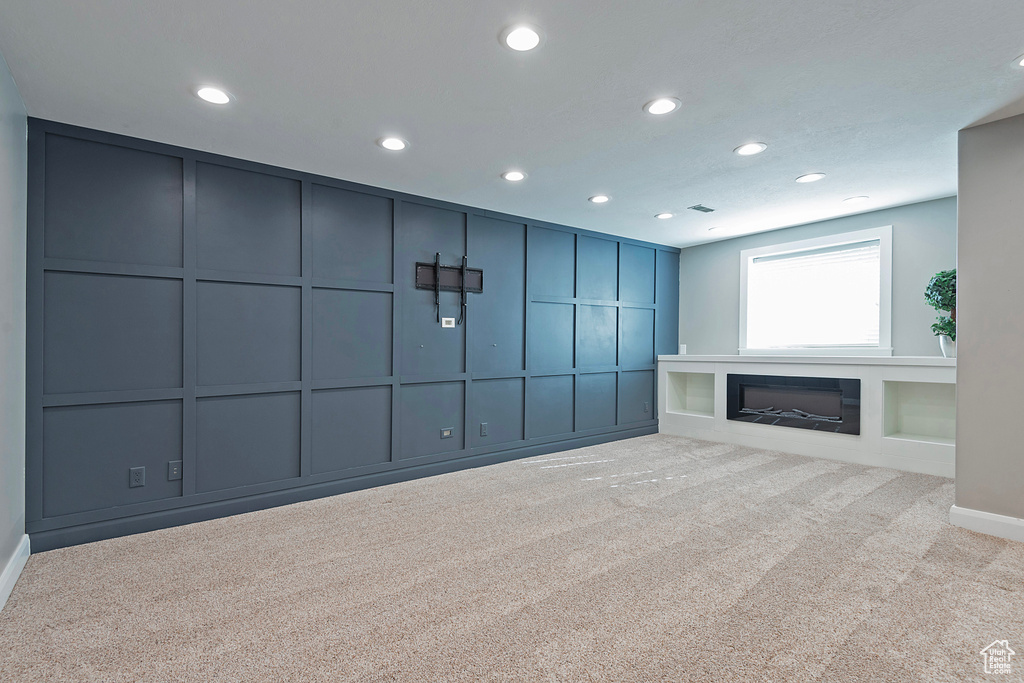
{"type": "Point", "coordinates": [14, 546]}
{"type": "Point", "coordinates": [989, 469]}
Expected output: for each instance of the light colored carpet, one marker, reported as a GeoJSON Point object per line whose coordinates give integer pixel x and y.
{"type": "Point", "coordinates": [652, 559]}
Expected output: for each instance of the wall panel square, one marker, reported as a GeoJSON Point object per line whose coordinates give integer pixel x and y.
{"type": "Point", "coordinates": [667, 322]}
{"type": "Point", "coordinates": [247, 333]}
{"type": "Point", "coordinates": [595, 404]}
{"type": "Point", "coordinates": [598, 268]}
{"type": "Point", "coordinates": [109, 333]}
{"type": "Point", "coordinates": [351, 334]}
{"type": "Point", "coordinates": [636, 274]}
{"type": "Point", "coordinates": [637, 337]}
{"type": "Point", "coordinates": [428, 348]}
{"type": "Point", "coordinates": [247, 221]}
{"type": "Point", "coordinates": [426, 410]}
{"type": "Point", "coordinates": [552, 257]}
{"type": "Point", "coordinates": [352, 235]}
{"type": "Point", "coordinates": [635, 390]}
{"type": "Point", "coordinates": [550, 405]}
{"type": "Point", "coordinates": [499, 403]}
{"type": "Point", "coordinates": [551, 337]}
{"type": "Point", "coordinates": [244, 440]}
{"type": "Point", "coordinates": [496, 316]}
{"type": "Point", "coordinates": [351, 428]}
{"type": "Point", "coordinates": [598, 336]}
{"type": "Point", "coordinates": [111, 203]}
{"type": "Point", "coordinates": [88, 450]}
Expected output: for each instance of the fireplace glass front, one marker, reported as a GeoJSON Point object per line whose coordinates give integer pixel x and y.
{"type": "Point", "coordinates": [827, 404]}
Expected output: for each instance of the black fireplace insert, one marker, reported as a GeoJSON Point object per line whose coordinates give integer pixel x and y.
{"type": "Point", "coordinates": [824, 404]}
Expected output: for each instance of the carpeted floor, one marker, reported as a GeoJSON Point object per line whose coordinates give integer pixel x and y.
{"type": "Point", "coordinates": [652, 559]}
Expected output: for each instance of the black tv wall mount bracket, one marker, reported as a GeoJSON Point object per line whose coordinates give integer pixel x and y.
{"type": "Point", "coordinates": [462, 279]}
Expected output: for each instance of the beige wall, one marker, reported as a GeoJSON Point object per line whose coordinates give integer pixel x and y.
{"type": "Point", "coordinates": [13, 198]}
{"type": "Point", "coordinates": [923, 243]}
{"type": "Point", "coordinates": [990, 319]}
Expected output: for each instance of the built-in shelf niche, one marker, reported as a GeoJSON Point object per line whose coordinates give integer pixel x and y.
{"type": "Point", "coordinates": [691, 393]}
{"type": "Point", "coordinates": [920, 411]}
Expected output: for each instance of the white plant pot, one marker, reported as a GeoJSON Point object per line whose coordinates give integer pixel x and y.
{"type": "Point", "coordinates": [947, 345]}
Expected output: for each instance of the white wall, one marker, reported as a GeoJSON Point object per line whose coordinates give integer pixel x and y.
{"type": "Point", "coordinates": [13, 198]}
{"type": "Point", "coordinates": [923, 243]}
{"type": "Point", "coordinates": [990, 319]}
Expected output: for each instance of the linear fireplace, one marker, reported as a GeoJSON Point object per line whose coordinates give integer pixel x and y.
{"type": "Point", "coordinates": [826, 404]}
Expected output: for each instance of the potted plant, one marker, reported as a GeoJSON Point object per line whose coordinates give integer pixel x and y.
{"type": "Point", "coordinates": [941, 295]}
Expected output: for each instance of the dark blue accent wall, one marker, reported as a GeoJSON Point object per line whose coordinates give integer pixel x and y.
{"type": "Point", "coordinates": [262, 326]}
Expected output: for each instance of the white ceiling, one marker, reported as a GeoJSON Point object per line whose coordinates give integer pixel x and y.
{"type": "Point", "coordinates": [871, 92]}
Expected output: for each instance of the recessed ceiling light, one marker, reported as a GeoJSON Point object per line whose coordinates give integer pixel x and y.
{"type": "Point", "coordinates": [1020, 61]}
{"type": "Point", "coordinates": [664, 216]}
{"type": "Point", "coordinates": [750, 149]}
{"type": "Point", "coordinates": [393, 144]}
{"type": "Point", "coordinates": [521, 37]}
{"type": "Point", "coordinates": [513, 176]}
{"type": "Point", "coordinates": [810, 178]}
{"type": "Point", "coordinates": [662, 105]}
{"type": "Point", "coordinates": [856, 200]}
{"type": "Point", "coordinates": [600, 198]}
{"type": "Point", "coordinates": [213, 95]}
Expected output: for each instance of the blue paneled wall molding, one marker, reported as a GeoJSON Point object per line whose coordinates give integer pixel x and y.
{"type": "Point", "coordinates": [253, 336]}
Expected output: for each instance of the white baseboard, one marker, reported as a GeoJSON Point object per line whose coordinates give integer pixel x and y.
{"type": "Point", "coordinates": [13, 570]}
{"type": "Point", "coordinates": [987, 523]}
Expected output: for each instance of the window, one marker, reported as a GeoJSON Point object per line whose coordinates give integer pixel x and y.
{"type": "Point", "coordinates": [825, 296]}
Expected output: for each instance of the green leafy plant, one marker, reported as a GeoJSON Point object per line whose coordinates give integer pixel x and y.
{"type": "Point", "coordinates": [945, 326]}
{"type": "Point", "coordinates": [941, 295]}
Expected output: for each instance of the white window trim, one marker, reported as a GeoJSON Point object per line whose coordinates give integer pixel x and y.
{"type": "Point", "coordinates": [884, 348]}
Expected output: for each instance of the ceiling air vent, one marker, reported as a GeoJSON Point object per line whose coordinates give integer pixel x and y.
{"type": "Point", "coordinates": [701, 208]}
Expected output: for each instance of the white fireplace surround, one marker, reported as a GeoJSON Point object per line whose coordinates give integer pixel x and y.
{"type": "Point", "coordinates": [908, 408]}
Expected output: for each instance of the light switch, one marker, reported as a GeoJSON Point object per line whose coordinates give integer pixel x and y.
{"type": "Point", "coordinates": [447, 322]}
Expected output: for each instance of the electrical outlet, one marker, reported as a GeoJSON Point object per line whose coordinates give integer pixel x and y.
{"type": "Point", "coordinates": [447, 432]}
{"type": "Point", "coordinates": [448, 322]}
{"type": "Point", "coordinates": [647, 407]}
{"type": "Point", "coordinates": [173, 470]}
{"type": "Point", "coordinates": [136, 477]}
{"type": "Point", "coordinates": [483, 429]}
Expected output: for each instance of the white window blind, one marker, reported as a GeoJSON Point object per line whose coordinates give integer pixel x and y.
{"type": "Point", "coordinates": [815, 298]}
